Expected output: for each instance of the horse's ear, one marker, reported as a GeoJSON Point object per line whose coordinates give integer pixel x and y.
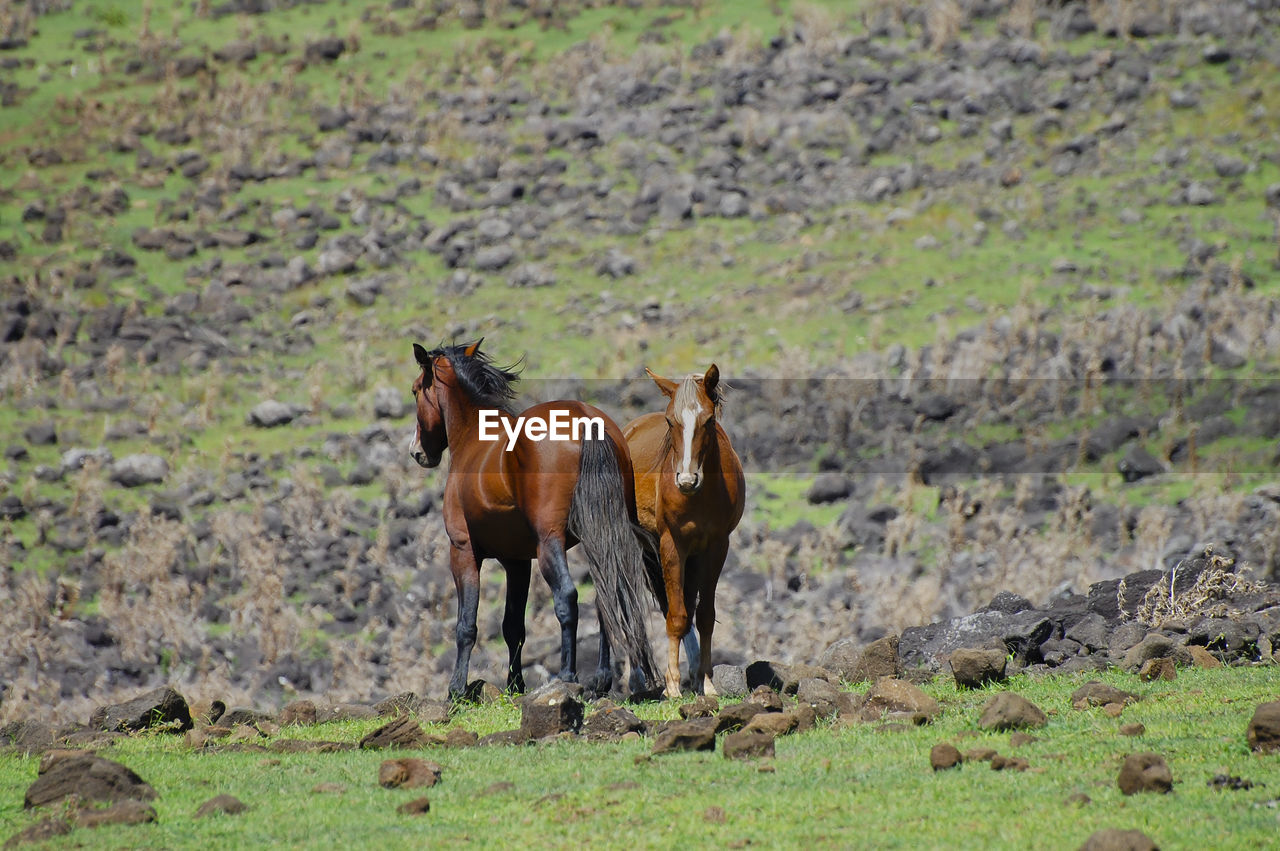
{"type": "Point", "coordinates": [421, 356]}
{"type": "Point", "coordinates": [666, 385]}
{"type": "Point", "coordinates": [711, 381]}
{"type": "Point", "coordinates": [470, 351]}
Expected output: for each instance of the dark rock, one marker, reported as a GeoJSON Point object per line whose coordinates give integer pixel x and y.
{"type": "Point", "coordinates": [1158, 669]}
{"type": "Point", "coordinates": [88, 777]}
{"type": "Point", "coordinates": [830, 487]}
{"type": "Point", "coordinates": [1021, 635]}
{"type": "Point", "coordinates": [897, 697]}
{"type": "Point", "coordinates": [553, 709]}
{"type": "Point", "coordinates": [975, 667]}
{"type": "Point", "coordinates": [1138, 464]}
{"type": "Point", "coordinates": [737, 716]}
{"type": "Point", "coordinates": [1098, 693]}
{"type": "Point", "coordinates": [1009, 711]}
{"type": "Point", "coordinates": [416, 807]}
{"type": "Point", "coordinates": [324, 49]}
{"type": "Point", "coordinates": [1144, 772]}
{"type": "Point", "coordinates": [696, 735]}
{"type": "Point", "coordinates": [221, 805]}
{"type": "Point", "coordinates": [408, 773]}
{"type": "Point", "coordinates": [236, 51]}
{"type": "Point", "coordinates": [825, 698]}
{"type": "Point", "coordinates": [729, 680]}
{"type": "Point", "coordinates": [162, 708]}
{"type": "Point", "coordinates": [270, 414]}
{"type": "Point", "coordinates": [700, 707]}
{"type": "Point", "coordinates": [1114, 839]}
{"type": "Point", "coordinates": [1263, 732]}
{"type": "Point", "coordinates": [133, 471]}
{"type": "Point", "coordinates": [121, 812]}
{"type": "Point", "coordinates": [610, 721]}
{"type": "Point", "coordinates": [944, 756]}
{"type": "Point", "coordinates": [401, 732]}
{"type": "Point", "coordinates": [765, 697]}
{"type": "Point", "coordinates": [748, 744]}
{"type": "Point", "coordinates": [879, 659]}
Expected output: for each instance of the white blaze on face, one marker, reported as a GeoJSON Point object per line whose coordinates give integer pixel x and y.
{"type": "Point", "coordinates": [689, 416]}
{"type": "Point", "coordinates": [689, 406]}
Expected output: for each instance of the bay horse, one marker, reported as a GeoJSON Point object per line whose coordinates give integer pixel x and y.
{"type": "Point", "coordinates": [524, 498]}
{"type": "Point", "coordinates": [690, 493]}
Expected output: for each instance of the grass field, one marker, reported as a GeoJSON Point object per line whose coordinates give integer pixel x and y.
{"type": "Point", "coordinates": [835, 786]}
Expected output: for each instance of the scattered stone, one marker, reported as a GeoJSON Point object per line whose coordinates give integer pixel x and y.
{"type": "Point", "coordinates": [696, 735]}
{"type": "Point", "coordinates": [1097, 693]}
{"type": "Point", "coordinates": [1134, 729]}
{"type": "Point", "coordinates": [1009, 711]}
{"type": "Point", "coordinates": [748, 744]}
{"type": "Point", "coordinates": [121, 812]}
{"type": "Point", "coordinates": [553, 709]}
{"type": "Point", "coordinates": [825, 699]}
{"type": "Point", "coordinates": [401, 732]}
{"type": "Point", "coordinates": [1158, 669]}
{"type": "Point", "coordinates": [737, 716]}
{"type": "Point", "coordinates": [1144, 772]}
{"type": "Point", "coordinates": [700, 707]}
{"type": "Point", "coordinates": [610, 721]}
{"type": "Point", "coordinates": [270, 414]}
{"type": "Point", "coordinates": [88, 777]}
{"type": "Point", "coordinates": [324, 49]}
{"type": "Point", "coordinates": [1113, 710]}
{"type": "Point", "coordinates": [1018, 739]}
{"type": "Point", "coordinates": [1114, 839]}
{"type": "Point", "coordinates": [225, 804]}
{"type": "Point", "coordinates": [766, 698]}
{"type": "Point", "coordinates": [409, 773]}
{"type": "Point", "coordinates": [1202, 658]}
{"type": "Point", "coordinates": [1078, 799]}
{"type": "Point", "coordinates": [896, 697]}
{"type": "Point", "coordinates": [976, 667]}
{"type": "Point", "coordinates": [773, 723]}
{"type": "Point", "coordinates": [416, 807]}
{"type": "Point", "coordinates": [729, 680]}
{"type": "Point", "coordinates": [979, 755]}
{"type": "Point", "coordinates": [1230, 782]}
{"type": "Point", "coordinates": [1263, 732]}
{"type": "Point", "coordinates": [41, 831]}
{"type": "Point", "coordinates": [944, 756]}
{"type": "Point", "coordinates": [1009, 763]}
{"type": "Point", "coordinates": [157, 709]}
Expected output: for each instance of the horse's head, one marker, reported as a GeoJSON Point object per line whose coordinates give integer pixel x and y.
{"type": "Point", "coordinates": [431, 439]}
{"type": "Point", "coordinates": [692, 405]}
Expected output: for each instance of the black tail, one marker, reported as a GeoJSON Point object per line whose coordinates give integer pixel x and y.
{"type": "Point", "coordinates": [598, 518]}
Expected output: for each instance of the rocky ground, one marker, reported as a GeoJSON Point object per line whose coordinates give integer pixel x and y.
{"type": "Point", "coordinates": [309, 561]}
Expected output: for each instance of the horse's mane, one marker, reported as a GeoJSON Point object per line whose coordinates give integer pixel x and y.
{"type": "Point", "coordinates": [488, 384]}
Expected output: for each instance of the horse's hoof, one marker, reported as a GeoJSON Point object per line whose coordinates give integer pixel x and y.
{"type": "Point", "coordinates": [708, 689]}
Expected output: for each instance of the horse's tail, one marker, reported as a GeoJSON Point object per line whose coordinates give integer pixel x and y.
{"type": "Point", "coordinates": [599, 519]}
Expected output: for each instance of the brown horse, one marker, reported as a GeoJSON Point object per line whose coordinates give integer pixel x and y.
{"type": "Point", "coordinates": [519, 497]}
{"type": "Point", "coordinates": [689, 493]}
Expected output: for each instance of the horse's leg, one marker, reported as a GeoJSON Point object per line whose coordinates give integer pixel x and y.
{"type": "Point", "coordinates": [692, 570]}
{"type": "Point", "coordinates": [710, 563]}
{"type": "Point", "coordinates": [466, 579]}
{"type": "Point", "coordinates": [602, 681]}
{"type": "Point", "coordinates": [677, 612]}
{"type": "Point", "coordinates": [555, 569]}
{"type": "Point", "coordinates": [513, 620]}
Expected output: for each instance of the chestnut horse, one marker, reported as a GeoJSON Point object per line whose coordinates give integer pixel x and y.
{"type": "Point", "coordinates": [531, 498]}
{"type": "Point", "coordinates": [689, 494]}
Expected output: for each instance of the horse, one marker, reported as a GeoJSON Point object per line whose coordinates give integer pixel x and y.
{"type": "Point", "coordinates": [518, 497]}
{"type": "Point", "coordinates": [690, 493]}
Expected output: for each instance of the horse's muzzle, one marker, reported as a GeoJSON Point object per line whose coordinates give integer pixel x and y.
{"type": "Point", "coordinates": [426, 461]}
{"type": "Point", "coordinates": [688, 483]}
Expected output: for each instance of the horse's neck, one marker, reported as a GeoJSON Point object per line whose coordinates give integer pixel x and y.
{"type": "Point", "coordinates": [462, 423]}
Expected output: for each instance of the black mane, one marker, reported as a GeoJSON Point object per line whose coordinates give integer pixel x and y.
{"type": "Point", "coordinates": [488, 384]}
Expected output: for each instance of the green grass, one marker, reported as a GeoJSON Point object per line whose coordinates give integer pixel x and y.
{"type": "Point", "coordinates": [835, 786]}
